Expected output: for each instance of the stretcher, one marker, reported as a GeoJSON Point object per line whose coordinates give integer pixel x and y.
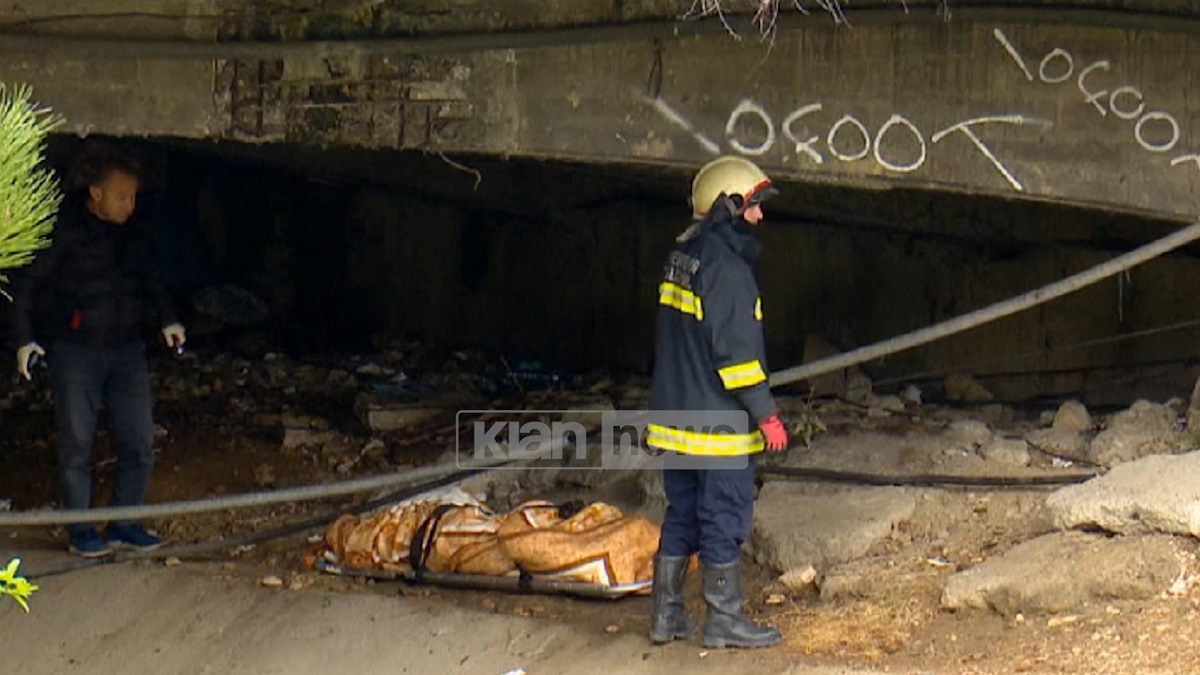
{"type": "Point", "coordinates": [450, 538]}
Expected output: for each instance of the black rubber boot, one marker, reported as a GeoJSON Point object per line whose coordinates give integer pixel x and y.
{"type": "Point", "coordinates": [725, 625]}
{"type": "Point", "coordinates": [669, 622]}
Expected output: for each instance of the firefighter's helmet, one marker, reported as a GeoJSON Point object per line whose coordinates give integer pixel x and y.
{"type": "Point", "coordinates": [734, 177]}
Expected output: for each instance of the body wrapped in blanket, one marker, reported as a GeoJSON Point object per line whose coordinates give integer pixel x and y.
{"type": "Point", "coordinates": [457, 534]}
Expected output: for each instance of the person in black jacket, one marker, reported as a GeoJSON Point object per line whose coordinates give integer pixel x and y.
{"type": "Point", "coordinates": [710, 366]}
{"type": "Point", "coordinates": [88, 297]}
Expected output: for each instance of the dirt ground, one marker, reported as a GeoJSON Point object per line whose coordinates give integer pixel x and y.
{"type": "Point", "coordinates": [213, 613]}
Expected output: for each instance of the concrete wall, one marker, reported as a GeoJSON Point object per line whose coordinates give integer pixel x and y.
{"type": "Point", "coordinates": [1045, 105]}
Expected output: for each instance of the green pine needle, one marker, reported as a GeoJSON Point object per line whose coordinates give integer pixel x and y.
{"type": "Point", "coordinates": [29, 194]}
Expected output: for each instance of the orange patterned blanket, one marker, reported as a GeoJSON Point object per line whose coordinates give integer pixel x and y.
{"type": "Point", "coordinates": [457, 534]}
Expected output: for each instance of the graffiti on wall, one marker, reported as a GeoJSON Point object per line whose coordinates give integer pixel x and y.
{"type": "Point", "coordinates": [813, 136]}
{"type": "Point", "coordinates": [847, 138]}
{"type": "Point", "coordinates": [1156, 131]}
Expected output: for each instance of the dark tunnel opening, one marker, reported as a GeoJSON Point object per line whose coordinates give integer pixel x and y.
{"type": "Point", "coordinates": [557, 263]}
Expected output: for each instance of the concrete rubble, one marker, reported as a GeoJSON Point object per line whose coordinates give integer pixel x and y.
{"type": "Point", "coordinates": [1066, 571]}
{"type": "Point", "coordinates": [822, 541]}
{"type": "Point", "coordinates": [1144, 429]}
{"type": "Point", "coordinates": [1155, 494]}
{"type": "Point", "coordinates": [794, 527]}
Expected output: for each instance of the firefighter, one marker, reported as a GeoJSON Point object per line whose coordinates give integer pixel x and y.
{"type": "Point", "coordinates": [710, 359]}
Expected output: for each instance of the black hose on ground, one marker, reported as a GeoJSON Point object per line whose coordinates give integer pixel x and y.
{"type": "Point", "coordinates": [185, 550]}
{"type": "Point", "coordinates": [926, 480]}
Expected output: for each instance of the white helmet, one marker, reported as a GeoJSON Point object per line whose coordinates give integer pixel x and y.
{"type": "Point", "coordinates": [734, 177]}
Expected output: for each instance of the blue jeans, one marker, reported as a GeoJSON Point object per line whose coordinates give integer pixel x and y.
{"type": "Point", "coordinates": [708, 510]}
{"type": "Point", "coordinates": [83, 378]}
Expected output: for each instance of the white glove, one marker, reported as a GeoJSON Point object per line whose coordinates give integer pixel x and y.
{"type": "Point", "coordinates": [174, 335]}
{"type": "Point", "coordinates": [25, 358]}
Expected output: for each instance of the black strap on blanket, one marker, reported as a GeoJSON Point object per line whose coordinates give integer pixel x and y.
{"type": "Point", "coordinates": [422, 542]}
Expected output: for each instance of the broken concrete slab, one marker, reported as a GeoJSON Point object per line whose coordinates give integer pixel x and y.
{"type": "Point", "coordinates": [794, 528]}
{"type": "Point", "coordinates": [1013, 451]}
{"type": "Point", "coordinates": [968, 434]}
{"type": "Point", "coordinates": [962, 387]}
{"type": "Point", "coordinates": [1072, 416]}
{"type": "Point", "coordinates": [1144, 429]}
{"type": "Point", "coordinates": [1065, 571]}
{"type": "Point", "coordinates": [294, 437]}
{"type": "Point", "coordinates": [1160, 493]}
{"type": "Point", "coordinates": [1058, 443]}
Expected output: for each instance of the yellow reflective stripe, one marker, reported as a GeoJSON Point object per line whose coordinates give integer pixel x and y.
{"type": "Point", "coordinates": [675, 296]}
{"type": "Point", "coordinates": [741, 375]}
{"type": "Point", "coordinates": [758, 309]}
{"type": "Point", "coordinates": [703, 443]}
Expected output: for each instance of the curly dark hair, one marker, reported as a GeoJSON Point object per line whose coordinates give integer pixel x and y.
{"type": "Point", "coordinates": [95, 160]}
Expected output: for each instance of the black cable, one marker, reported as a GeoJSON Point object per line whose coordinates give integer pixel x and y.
{"type": "Point", "coordinates": [926, 480]}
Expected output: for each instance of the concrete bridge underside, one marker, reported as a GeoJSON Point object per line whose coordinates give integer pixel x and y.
{"type": "Point", "coordinates": [1088, 107]}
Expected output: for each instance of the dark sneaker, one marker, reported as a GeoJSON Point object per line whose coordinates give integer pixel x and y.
{"type": "Point", "coordinates": [88, 544]}
{"type": "Point", "coordinates": [131, 535]}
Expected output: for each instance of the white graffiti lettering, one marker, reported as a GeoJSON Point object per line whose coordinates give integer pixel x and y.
{"type": "Point", "coordinates": [804, 147]}
{"type": "Point", "coordinates": [840, 141]}
{"type": "Point", "coordinates": [1094, 97]}
{"type": "Point", "coordinates": [1012, 51]}
{"type": "Point", "coordinates": [893, 121]}
{"type": "Point", "coordinates": [748, 107]}
{"type": "Point", "coordinates": [1156, 147]}
{"type": "Point", "coordinates": [849, 119]}
{"type": "Point", "coordinates": [965, 128]}
{"type": "Point", "coordinates": [1126, 91]}
{"type": "Point", "coordinates": [1056, 53]}
{"type": "Point", "coordinates": [1118, 102]}
{"type": "Point", "coordinates": [678, 120]}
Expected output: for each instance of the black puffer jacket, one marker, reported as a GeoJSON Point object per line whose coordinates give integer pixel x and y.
{"type": "Point", "coordinates": [710, 353]}
{"type": "Point", "coordinates": [97, 285]}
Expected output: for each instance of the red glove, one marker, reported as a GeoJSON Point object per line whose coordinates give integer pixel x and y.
{"type": "Point", "coordinates": [774, 433]}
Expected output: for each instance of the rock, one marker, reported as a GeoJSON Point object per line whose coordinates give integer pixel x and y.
{"type": "Point", "coordinates": [300, 438]}
{"type": "Point", "coordinates": [1013, 451]}
{"type": "Point", "coordinates": [890, 403]}
{"type": "Point", "coordinates": [395, 418]}
{"type": "Point", "coordinates": [264, 475]}
{"type": "Point", "coordinates": [996, 414]}
{"type": "Point", "coordinates": [1193, 411]}
{"type": "Point", "coordinates": [961, 387]}
{"type": "Point", "coordinates": [1072, 416]}
{"type": "Point", "coordinates": [374, 450]}
{"type": "Point", "coordinates": [271, 581]}
{"type": "Point", "coordinates": [815, 349]}
{"type": "Point", "coordinates": [294, 421]}
{"type": "Point", "coordinates": [793, 528]}
{"type": "Point", "coordinates": [1144, 429]}
{"type": "Point", "coordinates": [1160, 493]}
{"type": "Point", "coordinates": [968, 434]}
{"type": "Point", "coordinates": [1065, 571]}
{"type": "Point", "coordinates": [1058, 443]}
{"type": "Point", "coordinates": [858, 388]}
{"type": "Point", "coordinates": [799, 579]}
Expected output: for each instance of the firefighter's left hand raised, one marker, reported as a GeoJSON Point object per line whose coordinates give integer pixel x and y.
{"type": "Point", "coordinates": [774, 433]}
